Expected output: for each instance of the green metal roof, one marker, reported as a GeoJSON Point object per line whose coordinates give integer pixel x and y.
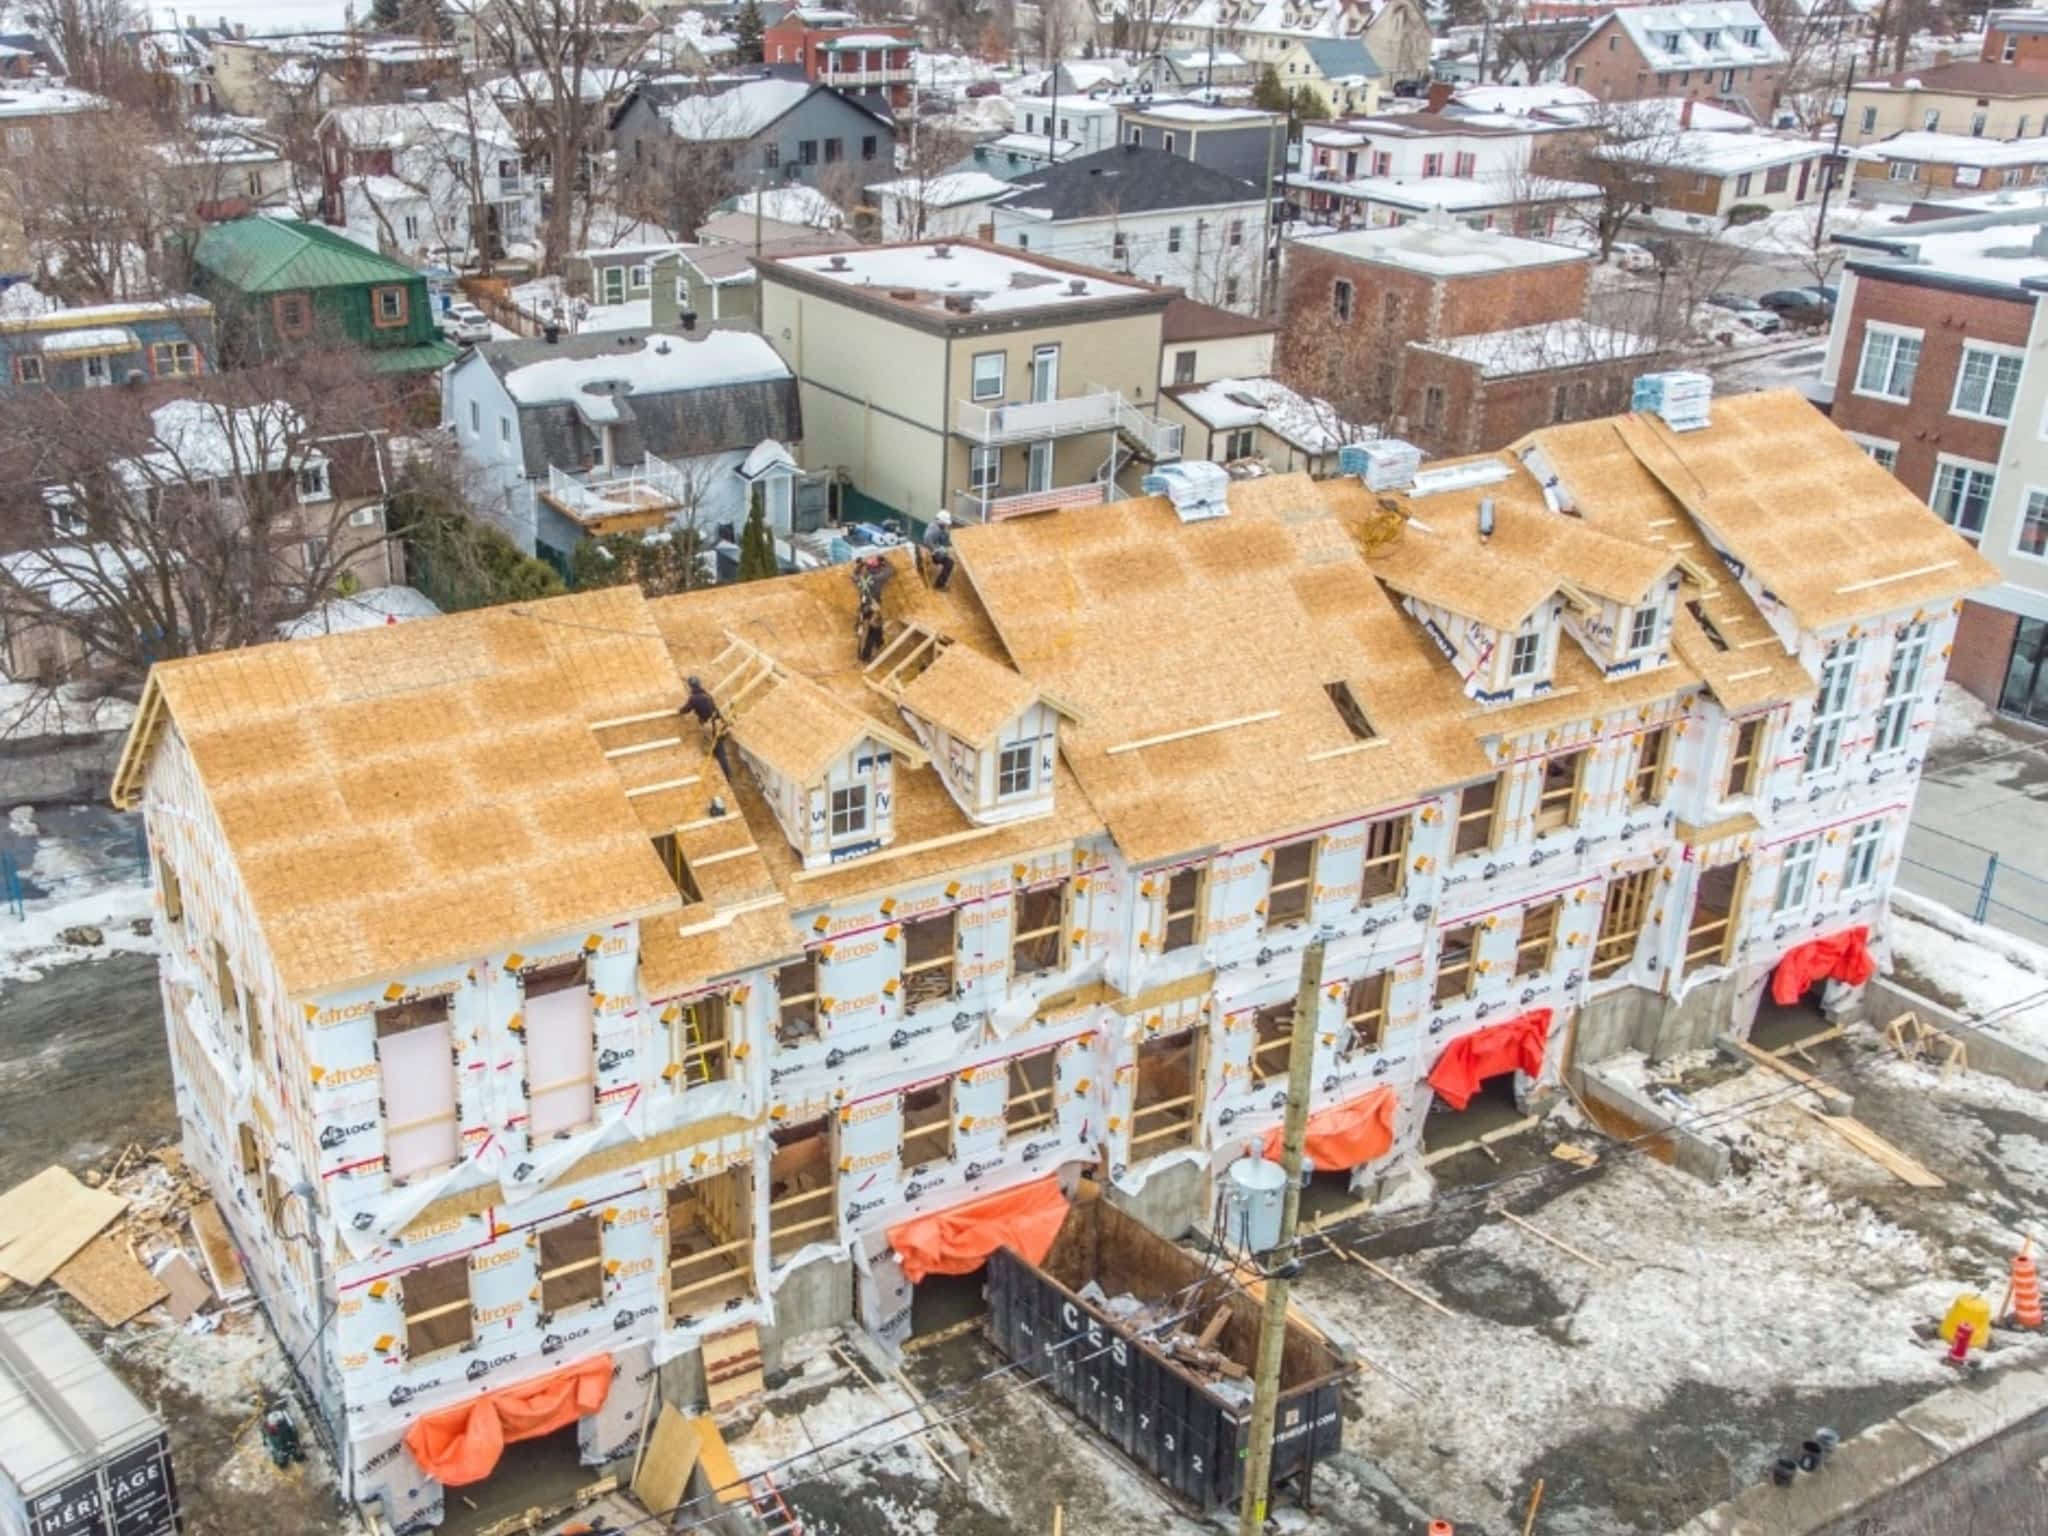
{"type": "Point", "coordinates": [264, 255]}
{"type": "Point", "coordinates": [428, 354]}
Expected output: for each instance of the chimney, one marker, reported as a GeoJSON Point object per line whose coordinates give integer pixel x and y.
{"type": "Point", "coordinates": [1077, 286]}
{"type": "Point", "coordinates": [661, 347]}
{"type": "Point", "coordinates": [1440, 93]}
{"type": "Point", "coordinates": [1685, 114]}
{"type": "Point", "coordinates": [688, 319]}
{"type": "Point", "coordinates": [837, 263]}
{"type": "Point", "coordinates": [942, 251]}
{"type": "Point", "coordinates": [1485, 518]}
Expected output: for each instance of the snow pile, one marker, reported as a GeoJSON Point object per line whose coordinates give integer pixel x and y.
{"type": "Point", "coordinates": [658, 365]}
{"type": "Point", "coordinates": [365, 610]}
{"type": "Point", "coordinates": [1309, 423]}
{"type": "Point", "coordinates": [1999, 979]}
{"type": "Point", "coordinates": [802, 1443]}
{"type": "Point", "coordinates": [1958, 716]}
{"type": "Point", "coordinates": [30, 946]}
{"type": "Point", "coordinates": [27, 709]}
{"type": "Point", "coordinates": [1789, 232]}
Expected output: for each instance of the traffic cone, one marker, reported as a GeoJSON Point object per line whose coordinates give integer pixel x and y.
{"type": "Point", "coordinates": [1439, 1528]}
{"type": "Point", "coordinates": [2026, 1291]}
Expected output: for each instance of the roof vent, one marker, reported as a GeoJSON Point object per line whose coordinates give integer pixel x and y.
{"type": "Point", "coordinates": [905, 294]}
{"type": "Point", "coordinates": [960, 303]}
{"type": "Point", "coordinates": [1078, 286]}
{"type": "Point", "coordinates": [942, 251]}
{"type": "Point", "coordinates": [837, 263]}
{"type": "Point", "coordinates": [661, 347]}
{"type": "Point", "coordinates": [1485, 517]}
{"type": "Point", "coordinates": [1682, 399]}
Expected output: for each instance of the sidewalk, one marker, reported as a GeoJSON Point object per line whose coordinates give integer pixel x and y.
{"type": "Point", "coordinates": [1985, 792]}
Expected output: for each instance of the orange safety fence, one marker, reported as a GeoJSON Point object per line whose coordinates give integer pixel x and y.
{"type": "Point", "coordinates": [1842, 957]}
{"type": "Point", "coordinates": [1345, 1135]}
{"type": "Point", "coordinates": [958, 1241]}
{"type": "Point", "coordinates": [1469, 1060]}
{"type": "Point", "coordinates": [462, 1444]}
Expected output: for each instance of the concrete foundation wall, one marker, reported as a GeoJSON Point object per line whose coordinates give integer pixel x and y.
{"type": "Point", "coordinates": [1172, 1202]}
{"type": "Point", "coordinates": [1632, 1019]}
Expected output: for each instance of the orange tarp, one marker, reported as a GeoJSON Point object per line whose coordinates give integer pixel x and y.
{"type": "Point", "coordinates": [462, 1444]}
{"type": "Point", "coordinates": [958, 1241]}
{"type": "Point", "coordinates": [1515, 1046]}
{"type": "Point", "coordinates": [1345, 1135]}
{"type": "Point", "coordinates": [1838, 957]}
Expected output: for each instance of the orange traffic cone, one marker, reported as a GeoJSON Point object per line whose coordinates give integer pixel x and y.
{"type": "Point", "coordinates": [1439, 1528]}
{"type": "Point", "coordinates": [2026, 1291]}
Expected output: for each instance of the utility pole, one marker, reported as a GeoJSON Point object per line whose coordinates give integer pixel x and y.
{"type": "Point", "coordinates": [1280, 1266]}
{"type": "Point", "coordinates": [1834, 162]}
{"type": "Point", "coordinates": [1266, 241]}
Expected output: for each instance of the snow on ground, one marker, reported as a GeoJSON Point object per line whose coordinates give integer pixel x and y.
{"type": "Point", "coordinates": [848, 1422]}
{"type": "Point", "coordinates": [1789, 232]}
{"type": "Point", "coordinates": [544, 296]}
{"type": "Point", "coordinates": [1958, 716]}
{"type": "Point", "coordinates": [30, 946]}
{"type": "Point", "coordinates": [2000, 979]}
{"type": "Point", "coordinates": [365, 610]}
{"type": "Point", "coordinates": [68, 710]}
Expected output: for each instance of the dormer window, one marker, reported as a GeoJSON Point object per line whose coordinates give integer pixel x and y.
{"type": "Point", "coordinates": [1642, 629]}
{"type": "Point", "coordinates": [1015, 773]}
{"type": "Point", "coordinates": [1526, 656]}
{"type": "Point", "coordinates": [849, 811]}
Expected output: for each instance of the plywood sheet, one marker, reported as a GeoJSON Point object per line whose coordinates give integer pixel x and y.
{"type": "Point", "coordinates": [105, 1279]}
{"type": "Point", "coordinates": [721, 1473]}
{"type": "Point", "coordinates": [46, 1220]}
{"type": "Point", "coordinates": [217, 1248]}
{"type": "Point", "coordinates": [186, 1289]}
{"type": "Point", "coordinates": [671, 1457]}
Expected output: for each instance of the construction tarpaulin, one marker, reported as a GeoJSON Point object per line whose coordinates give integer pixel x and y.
{"type": "Point", "coordinates": [1345, 1135]}
{"type": "Point", "coordinates": [958, 1241]}
{"type": "Point", "coordinates": [462, 1444]}
{"type": "Point", "coordinates": [1515, 1046]}
{"type": "Point", "coordinates": [1842, 957]}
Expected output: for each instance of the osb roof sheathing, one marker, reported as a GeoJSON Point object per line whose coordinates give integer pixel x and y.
{"type": "Point", "coordinates": [804, 623]}
{"type": "Point", "coordinates": [968, 695]}
{"type": "Point", "coordinates": [1826, 530]}
{"type": "Point", "coordinates": [1153, 628]}
{"type": "Point", "coordinates": [420, 793]}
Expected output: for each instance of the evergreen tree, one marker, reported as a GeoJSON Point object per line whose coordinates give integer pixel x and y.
{"type": "Point", "coordinates": [757, 545]}
{"type": "Point", "coordinates": [747, 28]}
{"type": "Point", "coordinates": [1307, 107]}
{"type": "Point", "coordinates": [1269, 95]}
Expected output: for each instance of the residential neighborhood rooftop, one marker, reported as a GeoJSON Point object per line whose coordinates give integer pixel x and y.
{"type": "Point", "coordinates": [1442, 248]}
{"type": "Point", "coordinates": [1122, 180]}
{"type": "Point", "coordinates": [935, 275]}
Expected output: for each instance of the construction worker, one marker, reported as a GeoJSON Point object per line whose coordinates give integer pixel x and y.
{"type": "Point", "coordinates": [871, 573]}
{"type": "Point", "coordinates": [938, 543]}
{"type": "Point", "coordinates": [705, 708]}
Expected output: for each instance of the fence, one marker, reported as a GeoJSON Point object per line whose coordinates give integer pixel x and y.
{"type": "Point", "coordinates": [1981, 883]}
{"type": "Point", "coordinates": [115, 855]}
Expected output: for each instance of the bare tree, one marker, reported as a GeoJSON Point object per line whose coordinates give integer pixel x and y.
{"type": "Point", "coordinates": [929, 158]}
{"type": "Point", "coordinates": [88, 36]}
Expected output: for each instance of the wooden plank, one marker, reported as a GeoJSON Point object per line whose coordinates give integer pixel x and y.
{"type": "Point", "coordinates": [1799, 1047]}
{"type": "Point", "coordinates": [104, 1279]}
{"type": "Point", "coordinates": [47, 1219]}
{"type": "Point", "coordinates": [1877, 1149]}
{"type": "Point", "coordinates": [187, 1291]}
{"type": "Point", "coordinates": [1576, 1155]}
{"type": "Point", "coordinates": [1556, 1242]}
{"type": "Point", "coordinates": [1392, 1279]}
{"type": "Point", "coordinates": [732, 1367]}
{"type": "Point", "coordinates": [924, 1443]}
{"type": "Point", "coordinates": [1194, 730]}
{"type": "Point", "coordinates": [217, 1250]}
{"type": "Point", "coordinates": [1806, 1080]}
{"type": "Point", "coordinates": [667, 1460]}
{"type": "Point", "coordinates": [720, 1471]}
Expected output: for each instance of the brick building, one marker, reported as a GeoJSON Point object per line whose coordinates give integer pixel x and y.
{"type": "Point", "coordinates": [1930, 361]}
{"type": "Point", "coordinates": [1448, 336]}
{"type": "Point", "coordinates": [2016, 37]}
{"type": "Point", "coordinates": [836, 48]}
{"type": "Point", "coordinates": [1720, 52]}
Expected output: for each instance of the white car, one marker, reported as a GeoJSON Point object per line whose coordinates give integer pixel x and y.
{"type": "Point", "coordinates": [465, 323]}
{"type": "Point", "coordinates": [1632, 258]}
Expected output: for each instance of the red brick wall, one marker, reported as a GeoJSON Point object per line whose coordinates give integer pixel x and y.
{"type": "Point", "coordinates": [1984, 637]}
{"type": "Point", "coordinates": [2033, 49]}
{"type": "Point", "coordinates": [1482, 414]}
{"type": "Point", "coordinates": [1922, 426]}
{"type": "Point", "coordinates": [1620, 73]}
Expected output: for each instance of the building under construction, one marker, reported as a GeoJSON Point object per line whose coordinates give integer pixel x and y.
{"type": "Point", "coordinates": [527, 1050]}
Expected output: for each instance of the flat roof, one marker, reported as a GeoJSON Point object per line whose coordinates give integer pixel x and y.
{"type": "Point", "coordinates": [924, 275]}
{"type": "Point", "coordinates": [1442, 248]}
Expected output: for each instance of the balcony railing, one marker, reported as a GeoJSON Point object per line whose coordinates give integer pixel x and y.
{"type": "Point", "coordinates": [646, 493]}
{"type": "Point", "coordinates": [888, 74]}
{"type": "Point", "coordinates": [1100, 410]}
{"type": "Point", "coordinates": [972, 508]}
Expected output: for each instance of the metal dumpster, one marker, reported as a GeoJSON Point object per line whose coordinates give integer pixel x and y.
{"type": "Point", "coordinates": [79, 1454]}
{"type": "Point", "coordinates": [1154, 1409]}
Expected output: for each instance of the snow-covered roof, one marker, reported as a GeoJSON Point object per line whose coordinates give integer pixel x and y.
{"type": "Point", "coordinates": [23, 307]}
{"type": "Point", "coordinates": [658, 364]}
{"type": "Point", "coordinates": [1442, 247]}
{"type": "Point", "coordinates": [42, 100]}
{"type": "Point", "coordinates": [194, 441]}
{"type": "Point", "coordinates": [221, 149]}
{"type": "Point", "coordinates": [998, 281]}
{"type": "Point", "coordinates": [1310, 424]}
{"type": "Point", "coordinates": [1204, 114]}
{"type": "Point", "coordinates": [363, 610]}
{"type": "Point", "coordinates": [1206, 58]}
{"type": "Point", "coordinates": [952, 190]}
{"type": "Point", "coordinates": [1654, 114]}
{"type": "Point", "coordinates": [612, 230]}
{"type": "Point", "coordinates": [739, 113]}
{"type": "Point", "coordinates": [1518, 100]}
{"type": "Point", "coordinates": [1921, 147]}
{"type": "Point", "coordinates": [400, 124]}
{"type": "Point", "coordinates": [797, 204]}
{"type": "Point", "coordinates": [593, 83]}
{"type": "Point", "coordinates": [1716, 154]}
{"type": "Point", "coordinates": [853, 40]}
{"type": "Point", "coordinates": [1030, 144]}
{"type": "Point", "coordinates": [1537, 348]}
{"type": "Point", "coordinates": [104, 338]}
{"type": "Point", "coordinates": [70, 577]}
{"type": "Point", "coordinates": [1699, 36]}
{"type": "Point", "coordinates": [1294, 18]}
{"type": "Point", "coordinates": [2000, 251]}
{"type": "Point", "coordinates": [766, 457]}
{"type": "Point", "coordinates": [383, 190]}
{"type": "Point", "coordinates": [1454, 194]}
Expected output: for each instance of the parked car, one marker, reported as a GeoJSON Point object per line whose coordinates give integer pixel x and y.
{"type": "Point", "coordinates": [1806, 306]}
{"type": "Point", "coordinates": [1742, 308]}
{"type": "Point", "coordinates": [1632, 258]}
{"type": "Point", "coordinates": [465, 324]}
{"type": "Point", "coordinates": [981, 88]}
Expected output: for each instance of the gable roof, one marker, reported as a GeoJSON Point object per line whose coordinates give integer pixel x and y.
{"type": "Point", "coordinates": [265, 255]}
{"type": "Point", "coordinates": [1649, 27]}
{"type": "Point", "coordinates": [1124, 180]}
{"type": "Point", "coordinates": [1191, 320]}
{"type": "Point", "coordinates": [1964, 77]}
{"type": "Point", "coordinates": [1340, 58]}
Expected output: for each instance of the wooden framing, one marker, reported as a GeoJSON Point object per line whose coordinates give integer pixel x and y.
{"type": "Point", "coordinates": [1455, 971]}
{"type": "Point", "coordinates": [1558, 795]}
{"type": "Point", "coordinates": [927, 1112]}
{"type": "Point", "coordinates": [1537, 942]}
{"type": "Point", "coordinates": [700, 1039]}
{"type": "Point", "coordinates": [710, 1251]}
{"type": "Point", "coordinates": [1272, 1040]}
{"type": "Point", "coordinates": [668, 847]}
{"type": "Point", "coordinates": [1646, 779]}
{"type": "Point", "coordinates": [1186, 898]}
{"type": "Point", "coordinates": [929, 954]}
{"type": "Point", "coordinates": [1038, 929]}
{"type": "Point", "coordinates": [1745, 756]}
{"type": "Point", "coordinates": [1717, 899]}
{"type": "Point", "coordinates": [1290, 888]}
{"type": "Point", "coordinates": [1479, 811]}
{"type": "Point", "coordinates": [1386, 858]}
{"type": "Point", "coordinates": [1365, 1010]}
{"type": "Point", "coordinates": [435, 1301]}
{"type": "Point", "coordinates": [800, 1187]}
{"type": "Point", "coordinates": [572, 1263]}
{"type": "Point", "coordinates": [1031, 1105]}
{"type": "Point", "coordinates": [173, 891]}
{"type": "Point", "coordinates": [1194, 730]}
{"type": "Point", "coordinates": [1170, 1071]}
{"type": "Point", "coordinates": [1622, 915]}
{"type": "Point", "coordinates": [796, 985]}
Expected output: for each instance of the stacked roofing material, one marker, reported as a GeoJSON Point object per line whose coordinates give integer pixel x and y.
{"type": "Point", "coordinates": [1386, 463]}
{"type": "Point", "coordinates": [1196, 488]}
{"type": "Point", "coordinates": [1682, 399]}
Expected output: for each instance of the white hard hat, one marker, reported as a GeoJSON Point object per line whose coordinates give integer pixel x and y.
{"type": "Point", "coordinates": [945, 516]}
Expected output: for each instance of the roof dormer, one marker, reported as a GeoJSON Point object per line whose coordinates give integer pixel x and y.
{"type": "Point", "coordinates": [992, 734]}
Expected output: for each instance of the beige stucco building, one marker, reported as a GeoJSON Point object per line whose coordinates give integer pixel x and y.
{"type": "Point", "coordinates": [1974, 98]}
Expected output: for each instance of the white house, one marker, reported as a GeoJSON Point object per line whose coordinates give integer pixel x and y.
{"type": "Point", "coordinates": [918, 208]}
{"type": "Point", "coordinates": [402, 177]}
{"type": "Point", "coordinates": [623, 431]}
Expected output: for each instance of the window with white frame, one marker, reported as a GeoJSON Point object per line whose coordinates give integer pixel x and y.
{"type": "Point", "coordinates": [1831, 706]}
{"type": "Point", "coordinates": [1864, 843]}
{"type": "Point", "coordinates": [2032, 538]}
{"type": "Point", "coordinates": [988, 376]}
{"type": "Point", "coordinates": [1016, 769]}
{"type": "Point", "coordinates": [1883, 452]}
{"type": "Point", "coordinates": [1642, 629]}
{"type": "Point", "coordinates": [984, 468]}
{"type": "Point", "coordinates": [1890, 359]}
{"type": "Point", "coordinates": [313, 482]}
{"type": "Point", "coordinates": [1901, 685]}
{"type": "Point", "coordinates": [1987, 382]}
{"type": "Point", "coordinates": [1962, 494]}
{"type": "Point", "coordinates": [1795, 875]}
